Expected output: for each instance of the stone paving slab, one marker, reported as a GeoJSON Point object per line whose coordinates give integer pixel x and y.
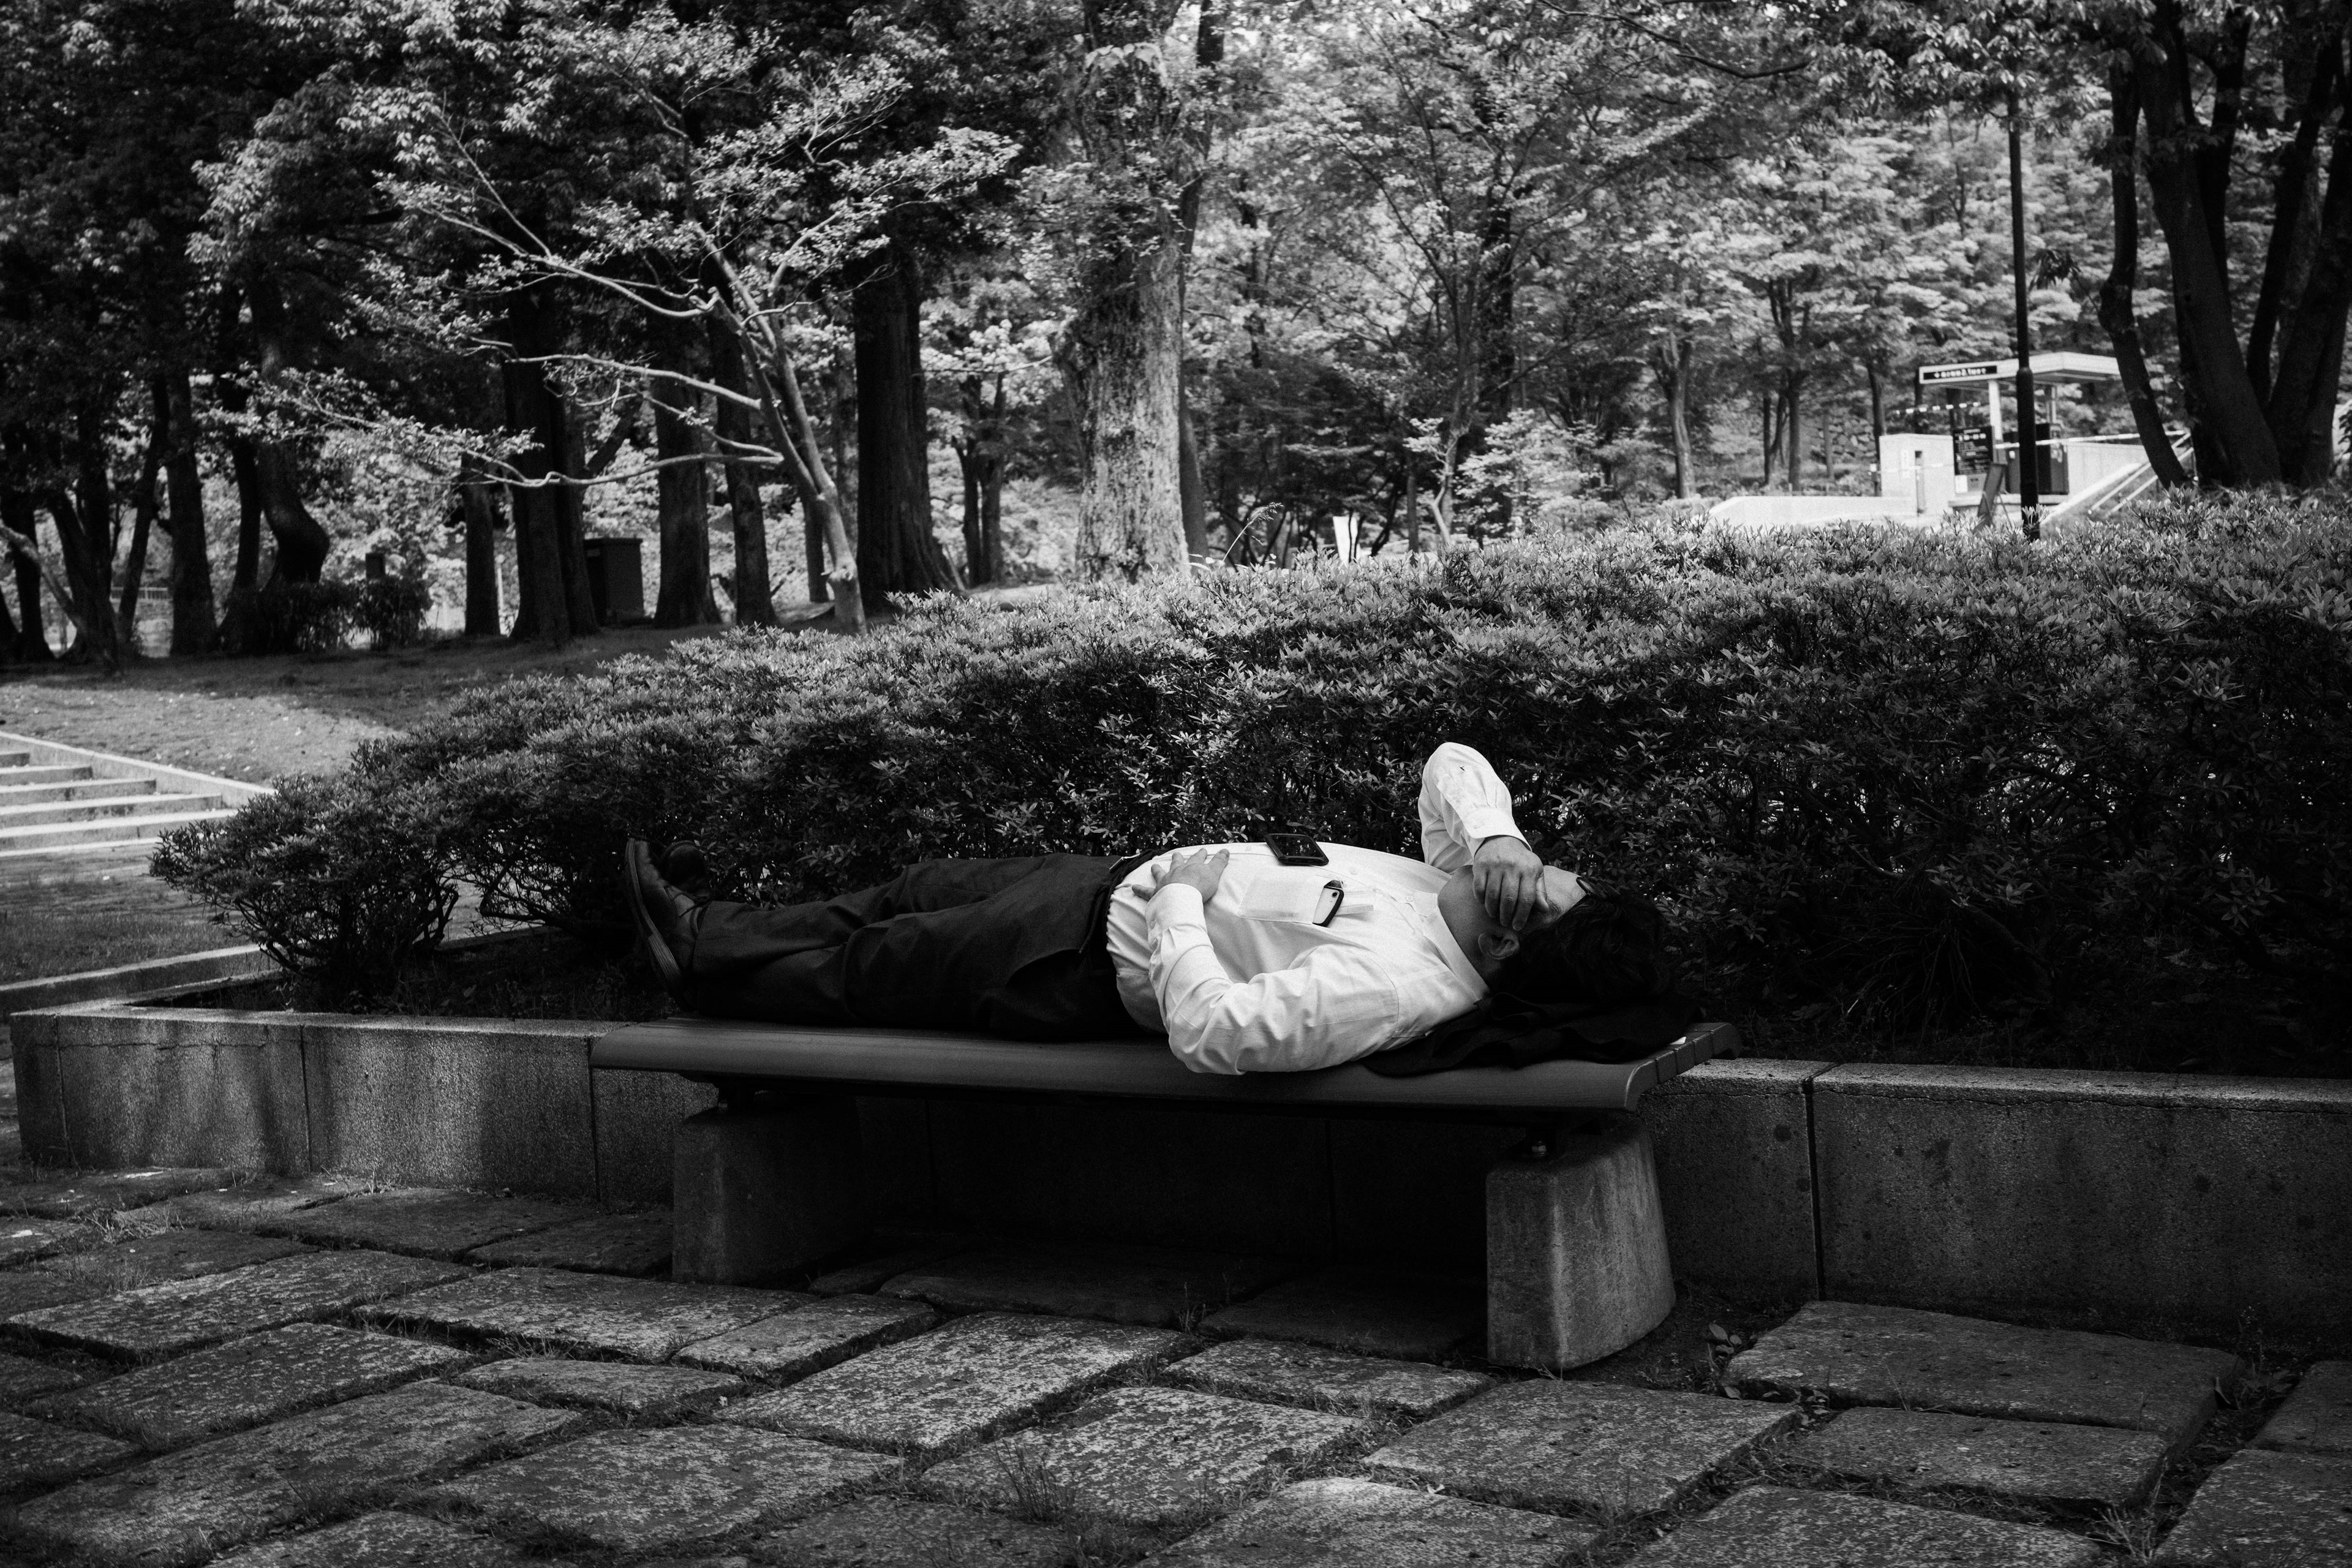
{"type": "Point", "coordinates": [383, 1540]}
{"type": "Point", "coordinates": [642, 1319]}
{"type": "Point", "coordinates": [73, 1198]}
{"type": "Point", "coordinates": [23, 1240]}
{"type": "Point", "coordinates": [956, 1384]}
{"type": "Point", "coordinates": [2087, 1466]}
{"type": "Point", "coordinates": [2317, 1417]}
{"type": "Point", "coordinates": [27, 1290]}
{"type": "Point", "coordinates": [901, 1533]}
{"type": "Point", "coordinates": [600, 1244]}
{"type": "Point", "coordinates": [898, 1254]}
{"type": "Point", "coordinates": [168, 1254]}
{"type": "Point", "coordinates": [36, 1454]}
{"type": "Point", "coordinates": [1855, 1354]}
{"type": "Point", "coordinates": [1154, 1286]}
{"type": "Point", "coordinates": [1340, 1523]}
{"type": "Point", "coordinates": [1329, 1379]}
{"type": "Point", "coordinates": [1414, 1317]}
{"type": "Point", "coordinates": [2265, 1510]}
{"type": "Point", "coordinates": [181, 1509]}
{"type": "Point", "coordinates": [1775, 1527]}
{"type": "Point", "coordinates": [240, 1205]}
{"type": "Point", "coordinates": [1149, 1456]}
{"type": "Point", "coordinates": [625, 1388]}
{"type": "Point", "coordinates": [427, 1223]}
{"type": "Point", "coordinates": [162, 1320]}
{"type": "Point", "coordinates": [23, 1378]}
{"type": "Point", "coordinates": [663, 1488]}
{"type": "Point", "coordinates": [250, 1381]}
{"type": "Point", "coordinates": [809, 1339]}
{"type": "Point", "coordinates": [1550, 1445]}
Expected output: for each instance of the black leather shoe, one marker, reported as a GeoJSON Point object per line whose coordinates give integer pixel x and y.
{"type": "Point", "coordinates": [664, 915]}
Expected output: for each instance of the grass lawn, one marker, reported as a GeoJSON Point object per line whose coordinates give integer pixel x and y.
{"type": "Point", "coordinates": [67, 928]}
{"type": "Point", "coordinates": [261, 718]}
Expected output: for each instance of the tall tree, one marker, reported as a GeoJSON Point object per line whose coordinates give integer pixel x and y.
{"type": "Point", "coordinates": [1124, 345]}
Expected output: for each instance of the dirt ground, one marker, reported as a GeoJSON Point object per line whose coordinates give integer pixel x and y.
{"type": "Point", "coordinates": [261, 718]}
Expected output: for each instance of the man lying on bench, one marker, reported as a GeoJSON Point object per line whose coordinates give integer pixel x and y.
{"type": "Point", "coordinates": [1246, 956]}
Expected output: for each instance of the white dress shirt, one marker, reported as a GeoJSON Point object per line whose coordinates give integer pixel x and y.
{"type": "Point", "coordinates": [1249, 983]}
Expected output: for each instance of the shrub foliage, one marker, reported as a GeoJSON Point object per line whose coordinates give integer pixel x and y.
{"type": "Point", "coordinates": [1916, 775]}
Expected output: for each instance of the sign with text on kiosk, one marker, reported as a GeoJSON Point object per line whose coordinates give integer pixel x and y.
{"type": "Point", "coordinates": [1982, 370]}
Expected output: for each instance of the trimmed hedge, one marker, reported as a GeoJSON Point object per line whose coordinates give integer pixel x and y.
{"type": "Point", "coordinates": [1918, 776]}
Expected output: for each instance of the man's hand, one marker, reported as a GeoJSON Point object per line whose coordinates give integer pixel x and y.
{"type": "Point", "coordinates": [1509, 880]}
{"type": "Point", "coordinates": [1198, 869]}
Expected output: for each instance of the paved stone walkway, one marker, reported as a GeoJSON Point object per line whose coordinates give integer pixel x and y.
{"type": "Point", "coordinates": [305, 1373]}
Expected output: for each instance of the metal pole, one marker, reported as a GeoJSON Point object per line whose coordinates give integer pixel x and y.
{"type": "Point", "coordinates": [2029, 453]}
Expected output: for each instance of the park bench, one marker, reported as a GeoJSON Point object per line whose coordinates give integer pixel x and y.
{"type": "Point", "coordinates": [770, 1179]}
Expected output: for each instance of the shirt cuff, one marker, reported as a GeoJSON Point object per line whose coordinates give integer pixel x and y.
{"type": "Point", "coordinates": [1178, 903]}
{"type": "Point", "coordinates": [1481, 823]}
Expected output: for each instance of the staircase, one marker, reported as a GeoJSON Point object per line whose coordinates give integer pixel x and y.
{"type": "Point", "coordinates": [65, 812]}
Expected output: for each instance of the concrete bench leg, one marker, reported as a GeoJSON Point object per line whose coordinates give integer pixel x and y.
{"type": "Point", "coordinates": [1576, 1250]}
{"type": "Point", "coordinates": [762, 1189]}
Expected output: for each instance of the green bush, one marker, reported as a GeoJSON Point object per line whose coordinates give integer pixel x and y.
{"type": "Point", "coordinates": [1918, 778]}
{"type": "Point", "coordinates": [336, 882]}
{"type": "Point", "coordinates": [391, 610]}
{"type": "Point", "coordinates": [320, 618]}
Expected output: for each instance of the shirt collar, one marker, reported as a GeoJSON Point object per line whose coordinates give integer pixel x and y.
{"type": "Point", "coordinates": [1441, 936]}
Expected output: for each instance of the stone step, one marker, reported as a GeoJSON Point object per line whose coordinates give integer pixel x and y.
{"type": "Point", "coordinates": [44, 814]}
{"type": "Point", "coordinates": [100, 860]}
{"type": "Point", "coordinates": [62, 835]}
{"type": "Point", "coordinates": [58, 773]}
{"type": "Point", "coordinates": [77, 789]}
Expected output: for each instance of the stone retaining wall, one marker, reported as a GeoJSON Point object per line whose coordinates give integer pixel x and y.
{"type": "Point", "coordinates": [2196, 1204]}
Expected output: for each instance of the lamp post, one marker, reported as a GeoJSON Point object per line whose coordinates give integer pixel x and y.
{"type": "Point", "coordinates": [2029, 450]}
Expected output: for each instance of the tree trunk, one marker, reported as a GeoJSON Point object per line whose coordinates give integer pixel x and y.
{"type": "Point", "coordinates": [684, 489]}
{"type": "Point", "coordinates": [896, 550]}
{"type": "Point", "coordinates": [477, 502]}
{"type": "Point", "coordinates": [975, 552]}
{"type": "Point", "coordinates": [1793, 434]}
{"type": "Point", "coordinates": [195, 626]}
{"type": "Point", "coordinates": [146, 503]}
{"type": "Point", "coordinates": [1122, 352]}
{"type": "Point", "coordinates": [20, 515]}
{"type": "Point", "coordinates": [1673, 367]}
{"type": "Point", "coordinates": [1412, 505]}
{"type": "Point", "coordinates": [1191, 491]}
{"type": "Point", "coordinates": [2302, 405]}
{"type": "Point", "coordinates": [754, 599]}
{"type": "Point", "coordinates": [2117, 313]}
{"type": "Point", "coordinates": [542, 611]}
{"type": "Point", "coordinates": [1191, 494]}
{"type": "Point", "coordinates": [1771, 428]}
{"type": "Point", "coordinates": [303, 544]}
{"type": "Point", "coordinates": [813, 554]}
{"type": "Point", "coordinates": [2235, 442]}
{"type": "Point", "coordinates": [547, 609]}
{"type": "Point", "coordinates": [1877, 408]}
{"type": "Point", "coordinates": [1498, 366]}
{"type": "Point", "coordinates": [84, 537]}
{"type": "Point", "coordinates": [567, 440]}
{"type": "Point", "coordinates": [2295, 221]}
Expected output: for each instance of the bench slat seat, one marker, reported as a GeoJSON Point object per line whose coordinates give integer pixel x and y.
{"type": "Point", "coordinates": [920, 1062]}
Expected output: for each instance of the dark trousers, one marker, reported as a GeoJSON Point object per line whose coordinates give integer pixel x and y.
{"type": "Point", "coordinates": [1004, 947]}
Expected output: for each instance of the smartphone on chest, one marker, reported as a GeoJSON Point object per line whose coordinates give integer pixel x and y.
{"type": "Point", "coordinates": [1295, 849]}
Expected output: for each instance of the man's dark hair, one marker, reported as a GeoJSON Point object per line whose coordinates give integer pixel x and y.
{"type": "Point", "coordinates": [1608, 951]}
